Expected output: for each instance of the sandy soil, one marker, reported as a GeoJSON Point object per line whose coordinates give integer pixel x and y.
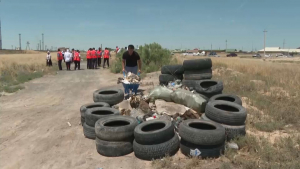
{"type": "Point", "coordinates": [34, 129]}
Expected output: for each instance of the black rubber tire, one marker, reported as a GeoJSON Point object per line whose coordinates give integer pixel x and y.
{"type": "Point", "coordinates": [164, 133]}
{"type": "Point", "coordinates": [115, 128]}
{"type": "Point", "coordinates": [202, 132]}
{"type": "Point", "coordinates": [198, 75]}
{"type": "Point", "coordinates": [212, 151]}
{"type": "Point", "coordinates": [231, 132]}
{"type": "Point", "coordinates": [157, 151]}
{"type": "Point", "coordinates": [82, 119]}
{"type": "Point", "coordinates": [88, 131]}
{"type": "Point", "coordinates": [226, 112]}
{"type": "Point", "coordinates": [189, 83]}
{"type": "Point", "coordinates": [113, 149]}
{"type": "Point", "coordinates": [172, 69]}
{"type": "Point", "coordinates": [90, 105]}
{"type": "Point", "coordinates": [197, 64]}
{"type": "Point", "coordinates": [94, 114]}
{"type": "Point", "coordinates": [165, 78]}
{"type": "Point", "coordinates": [209, 88]}
{"type": "Point", "coordinates": [110, 96]}
{"type": "Point", "coordinates": [227, 97]}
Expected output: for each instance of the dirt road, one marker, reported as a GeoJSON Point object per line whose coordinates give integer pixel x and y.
{"type": "Point", "coordinates": [34, 129]}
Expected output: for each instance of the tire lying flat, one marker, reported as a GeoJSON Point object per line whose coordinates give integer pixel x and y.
{"type": "Point", "coordinates": [115, 128]}
{"type": "Point", "coordinates": [166, 78]}
{"type": "Point", "coordinates": [84, 108]}
{"type": "Point", "coordinates": [114, 148]}
{"type": "Point", "coordinates": [88, 131]}
{"type": "Point", "coordinates": [154, 132]}
{"type": "Point", "coordinates": [94, 114]}
{"type": "Point", "coordinates": [156, 151]}
{"type": "Point", "coordinates": [209, 88]}
{"type": "Point", "coordinates": [225, 112]}
{"type": "Point", "coordinates": [197, 64]}
{"type": "Point", "coordinates": [227, 97]}
{"type": "Point", "coordinates": [172, 69]}
{"type": "Point", "coordinates": [198, 75]}
{"type": "Point", "coordinates": [110, 96]}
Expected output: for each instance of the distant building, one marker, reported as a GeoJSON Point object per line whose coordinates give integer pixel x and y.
{"type": "Point", "coordinates": [279, 50]}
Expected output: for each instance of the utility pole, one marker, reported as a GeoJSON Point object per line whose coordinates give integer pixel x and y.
{"type": "Point", "coordinates": [265, 42]}
{"type": "Point", "coordinates": [283, 43]}
{"type": "Point", "coordinates": [43, 47]}
{"type": "Point", "coordinates": [20, 42]}
{"type": "Point", "coordinates": [252, 47]}
{"type": "Point", "coordinates": [40, 45]}
{"type": "Point", "coordinates": [226, 44]}
{"type": "Point", "coordinates": [0, 37]}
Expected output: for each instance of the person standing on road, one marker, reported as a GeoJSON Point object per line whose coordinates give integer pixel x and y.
{"type": "Point", "coordinates": [79, 59]}
{"type": "Point", "coordinates": [106, 56]}
{"type": "Point", "coordinates": [99, 54]}
{"type": "Point", "coordinates": [68, 59]}
{"type": "Point", "coordinates": [63, 54]}
{"type": "Point", "coordinates": [94, 59]}
{"type": "Point", "coordinates": [59, 59]}
{"type": "Point", "coordinates": [76, 60]}
{"type": "Point", "coordinates": [88, 58]}
{"type": "Point", "coordinates": [48, 59]}
{"type": "Point", "coordinates": [131, 61]}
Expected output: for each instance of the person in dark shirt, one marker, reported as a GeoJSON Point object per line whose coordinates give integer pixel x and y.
{"type": "Point", "coordinates": [131, 61]}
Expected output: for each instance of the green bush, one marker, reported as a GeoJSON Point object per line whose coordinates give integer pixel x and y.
{"type": "Point", "coordinates": [153, 57]}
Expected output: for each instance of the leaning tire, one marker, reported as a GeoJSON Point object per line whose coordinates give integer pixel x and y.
{"type": "Point", "coordinates": [166, 78]}
{"type": "Point", "coordinates": [172, 69]}
{"type": "Point", "coordinates": [150, 152]}
{"type": "Point", "coordinates": [204, 151]}
{"type": "Point", "coordinates": [198, 75]}
{"type": "Point", "coordinates": [88, 131]}
{"type": "Point", "coordinates": [113, 148]}
{"type": "Point", "coordinates": [225, 112]}
{"type": "Point", "coordinates": [209, 88]}
{"type": "Point", "coordinates": [227, 97]}
{"type": "Point", "coordinates": [197, 64]}
{"type": "Point", "coordinates": [84, 108]}
{"type": "Point", "coordinates": [202, 132]}
{"type": "Point", "coordinates": [94, 114]}
{"type": "Point", "coordinates": [154, 132]}
{"type": "Point", "coordinates": [115, 128]}
{"type": "Point", "coordinates": [110, 96]}
{"type": "Point", "coordinates": [231, 132]}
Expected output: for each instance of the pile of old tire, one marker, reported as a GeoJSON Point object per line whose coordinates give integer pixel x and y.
{"type": "Point", "coordinates": [114, 135]}
{"type": "Point", "coordinates": [85, 107]}
{"type": "Point", "coordinates": [228, 111]}
{"type": "Point", "coordinates": [170, 73]}
{"type": "Point", "coordinates": [110, 96]}
{"type": "Point", "coordinates": [207, 88]}
{"type": "Point", "coordinates": [200, 138]}
{"type": "Point", "coordinates": [155, 139]}
{"type": "Point", "coordinates": [92, 115]}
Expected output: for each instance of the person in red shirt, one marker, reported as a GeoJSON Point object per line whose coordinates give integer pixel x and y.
{"type": "Point", "coordinates": [94, 59]}
{"type": "Point", "coordinates": [117, 49]}
{"type": "Point", "coordinates": [59, 59]}
{"type": "Point", "coordinates": [106, 56]}
{"type": "Point", "coordinates": [76, 59]}
{"type": "Point", "coordinates": [88, 58]}
{"type": "Point", "coordinates": [99, 54]}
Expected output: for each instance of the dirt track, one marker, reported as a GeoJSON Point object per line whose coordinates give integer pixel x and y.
{"type": "Point", "coordinates": [34, 129]}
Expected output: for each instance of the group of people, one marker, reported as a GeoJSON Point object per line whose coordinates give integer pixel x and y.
{"type": "Point", "coordinates": [94, 58]}
{"type": "Point", "coordinates": [68, 58]}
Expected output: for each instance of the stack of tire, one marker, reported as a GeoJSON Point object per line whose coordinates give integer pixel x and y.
{"type": "Point", "coordinates": [228, 111]}
{"type": "Point", "coordinates": [171, 73]}
{"type": "Point", "coordinates": [110, 96]}
{"type": "Point", "coordinates": [155, 139]}
{"type": "Point", "coordinates": [197, 75]}
{"type": "Point", "coordinates": [200, 138]}
{"type": "Point", "coordinates": [92, 115]}
{"type": "Point", "coordinates": [85, 107]}
{"type": "Point", "coordinates": [114, 135]}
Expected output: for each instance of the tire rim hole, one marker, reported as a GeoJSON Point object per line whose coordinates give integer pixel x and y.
{"type": "Point", "coordinates": [153, 127]}
{"type": "Point", "coordinates": [202, 126]}
{"type": "Point", "coordinates": [230, 99]}
{"type": "Point", "coordinates": [207, 84]}
{"type": "Point", "coordinates": [226, 108]}
{"type": "Point", "coordinates": [108, 92]}
{"type": "Point", "coordinates": [116, 123]}
{"type": "Point", "coordinates": [102, 112]}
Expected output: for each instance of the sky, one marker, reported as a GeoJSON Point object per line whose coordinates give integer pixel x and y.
{"type": "Point", "coordinates": [82, 24]}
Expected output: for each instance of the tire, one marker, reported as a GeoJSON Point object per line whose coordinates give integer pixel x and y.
{"type": "Point", "coordinates": [209, 88]}
{"type": "Point", "coordinates": [172, 69]}
{"type": "Point", "coordinates": [150, 152]}
{"type": "Point", "coordinates": [225, 112]}
{"type": "Point", "coordinates": [115, 128]}
{"type": "Point", "coordinates": [212, 151]}
{"type": "Point", "coordinates": [94, 114]}
{"type": "Point", "coordinates": [197, 64]}
{"type": "Point", "coordinates": [154, 132]}
{"type": "Point", "coordinates": [110, 96]}
{"type": "Point", "coordinates": [227, 97]}
{"type": "Point", "coordinates": [189, 83]}
{"type": "Point", "coordinates": [82, 120]}
{"type": "Point", "coordinates": [231, 132]}
{"type": "Point", "coordinates": [202, 132]}
{"type": "Point", "coordinates": [88, 131]}
{"type": "Point", "coordinates": [165, 78]}
{"type": "Point", "coordinates": [198, 75]}
{"type": "Point", "coordinates": [91, 105]}
{"type": "Point", "coordinates": [113, 149]}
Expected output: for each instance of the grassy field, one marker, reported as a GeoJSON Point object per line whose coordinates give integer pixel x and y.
{"type": "Point", "coordinates": [16, 69]}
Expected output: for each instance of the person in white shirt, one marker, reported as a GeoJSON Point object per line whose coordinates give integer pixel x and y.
{"type": "Point", "coordinates": [48, 59]}
{"type": "Point", "coordinates": [68, 59]}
